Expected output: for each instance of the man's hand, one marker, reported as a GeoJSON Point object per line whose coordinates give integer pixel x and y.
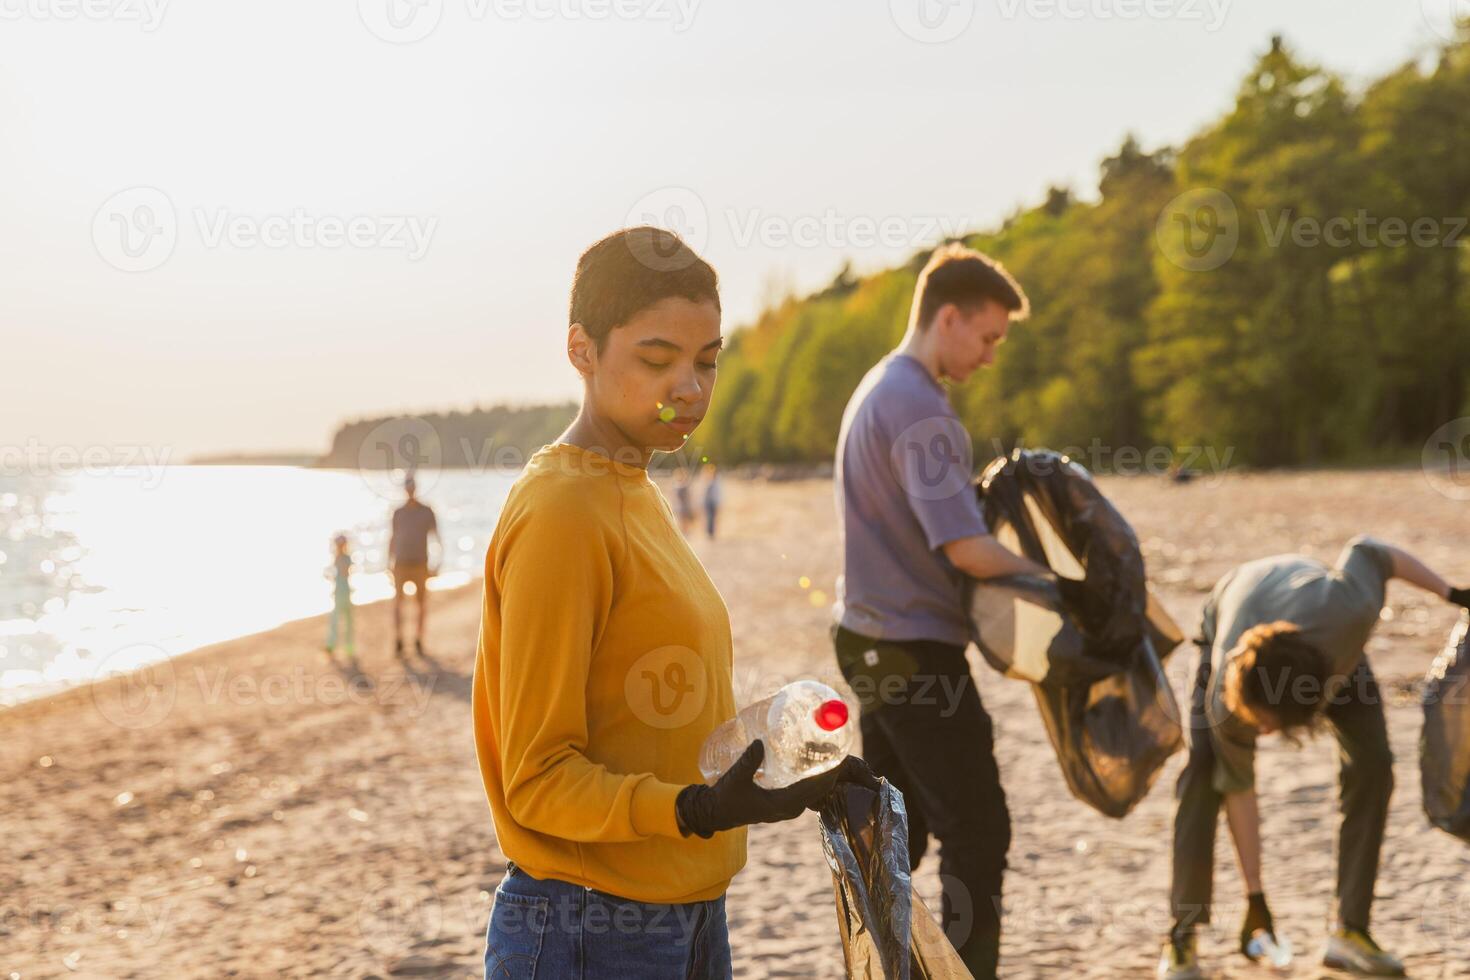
{"type": "Point", "coordinates": [735, 800]}
{"type": "Point", "coordinates": [1257, 918]}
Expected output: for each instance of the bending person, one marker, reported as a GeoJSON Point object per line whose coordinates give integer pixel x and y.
{"type": "Point", "coordinates": [1282, 651]}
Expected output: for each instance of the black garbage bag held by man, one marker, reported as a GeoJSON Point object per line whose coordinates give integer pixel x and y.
{"type": "Point", "coordinates": [1090, 639]}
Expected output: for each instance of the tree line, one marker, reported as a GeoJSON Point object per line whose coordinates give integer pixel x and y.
{"type": "Point", "coordinates": [1288, 287]}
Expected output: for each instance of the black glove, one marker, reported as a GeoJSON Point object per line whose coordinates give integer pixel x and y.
{"type": "Point", "coordinates": [850, 770]}
{"type": "Point", "coordinates": [1257, 917]}
{"type": "Point", "coordinates": [735, 800]}
{"type": "Point", "coordinates": [1460, 597]}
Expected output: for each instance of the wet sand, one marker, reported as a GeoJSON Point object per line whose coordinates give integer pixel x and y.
{"type": "Point", "coordinates": [252, 809]}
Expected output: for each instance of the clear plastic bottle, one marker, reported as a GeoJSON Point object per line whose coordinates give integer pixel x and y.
{"type": "Point", "coordinates": [807, 729]}
{"type": "Point", "coordinates": [1273, 949]}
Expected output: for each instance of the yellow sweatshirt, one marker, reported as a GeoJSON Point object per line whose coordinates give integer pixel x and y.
{"type": "Point", "coordinates": [604, 662]}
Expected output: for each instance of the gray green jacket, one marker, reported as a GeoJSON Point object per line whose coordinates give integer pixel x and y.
{"type": "Point", "coordinates": [1335, 609]}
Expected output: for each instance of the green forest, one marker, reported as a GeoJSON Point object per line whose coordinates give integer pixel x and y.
{"type": "Point", "coordinates": [1288, 288]}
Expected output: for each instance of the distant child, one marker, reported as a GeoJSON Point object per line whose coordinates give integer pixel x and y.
{"type": "Point", "coordinates": [342, 606]}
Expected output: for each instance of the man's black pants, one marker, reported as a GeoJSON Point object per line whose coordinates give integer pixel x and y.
{"type": "Point", "coordinates": [925, 730]}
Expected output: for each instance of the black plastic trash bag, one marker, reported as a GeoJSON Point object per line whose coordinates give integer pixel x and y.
{"type": "Point", "coordinates": [887, 932]}
{"type": "Point", "coordinates": [1097, 671]}
{"type": "Point", "coordinates": [1444, 747]}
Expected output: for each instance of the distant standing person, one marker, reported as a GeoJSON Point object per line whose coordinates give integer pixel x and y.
{"type": "Point", "coordinates": [712, 497]}
{"type": "Point", "coordinates": [684, 499]}
{"type": "Point", "coordinates": [342, 598]}
{"type": "Point", "coordinates": [408, 557]}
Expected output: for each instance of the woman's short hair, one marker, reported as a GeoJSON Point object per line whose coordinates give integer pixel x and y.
{"type": "Point", "coordinates": [631, 270]}
{"type": "Point", "coordinates": [1279, 672]}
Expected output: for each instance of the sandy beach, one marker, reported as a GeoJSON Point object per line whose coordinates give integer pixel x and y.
{"type": "Point", "coordinates": [255, 810]}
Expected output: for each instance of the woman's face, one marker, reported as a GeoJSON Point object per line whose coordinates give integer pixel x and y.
{"type": "Point", "coordinates": [653, 378]}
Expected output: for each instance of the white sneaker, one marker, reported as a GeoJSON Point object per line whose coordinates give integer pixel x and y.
{"type": "Point", "coordinates": [1355, 951]}
{"type": "Point", "coordinates": [1180, 961]}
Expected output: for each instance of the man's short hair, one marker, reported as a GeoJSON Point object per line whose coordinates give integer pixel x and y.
{"type": "Point", "coordinates": [962, 276]}
{"type": "Point", "coordinates": [631, 270]}
{"type": "Point", "coordinates": [1280, 672]}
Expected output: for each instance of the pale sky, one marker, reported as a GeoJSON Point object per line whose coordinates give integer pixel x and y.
{"type": "Point", "coordinates": [443, 187]}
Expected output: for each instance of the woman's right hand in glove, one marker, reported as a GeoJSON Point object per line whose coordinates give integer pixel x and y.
{"type": "Point", "coordinates": [735, 800]}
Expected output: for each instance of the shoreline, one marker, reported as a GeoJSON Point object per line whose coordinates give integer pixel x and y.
{"type": "Point", "coordinates": [57, 688]}
{"type": "Point", "coordinates": [80, 690]}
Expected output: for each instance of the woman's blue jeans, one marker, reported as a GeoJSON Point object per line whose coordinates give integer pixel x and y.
{"type": "Point", "coordinates": [552, 930]}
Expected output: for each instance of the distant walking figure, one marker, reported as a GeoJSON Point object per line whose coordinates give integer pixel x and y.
{"type": "Point", "coordinates": [408, 557]}
{"type": "Point", "coordinates": [712, 497]}
{"type": "Point", "coordinates": [342, 602]}
{"type": "Point", "coordinates": [684, 499]}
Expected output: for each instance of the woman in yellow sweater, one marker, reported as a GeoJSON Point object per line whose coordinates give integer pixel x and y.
{"type": "Point", "coordinates": [605, 657]}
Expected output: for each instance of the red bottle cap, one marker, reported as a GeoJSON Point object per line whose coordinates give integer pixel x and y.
{"type": "Point", "coordinates": [831, 715]}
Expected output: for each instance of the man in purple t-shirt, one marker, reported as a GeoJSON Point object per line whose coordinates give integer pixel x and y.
{"type": "Point", "coordinates": [912, 530]}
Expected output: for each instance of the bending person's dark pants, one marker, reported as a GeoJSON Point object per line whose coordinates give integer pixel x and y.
{"type": "Point", "coordinates": [1356, 716]}
{"type": "Point", "coordinates": [925, 730]}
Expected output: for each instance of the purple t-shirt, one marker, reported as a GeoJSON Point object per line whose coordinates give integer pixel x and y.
{"type": "Point", "coordinates": [903, 485]}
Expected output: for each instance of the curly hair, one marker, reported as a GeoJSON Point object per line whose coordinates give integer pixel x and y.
{"type": "Point", "coordinates": [1279, 672]}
